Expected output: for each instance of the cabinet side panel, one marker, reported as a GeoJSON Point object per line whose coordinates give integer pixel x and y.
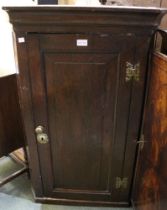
{"type": "Point", "coordinates": [27, 112]}
{"type": "Point", "coordinates": [150, 192]}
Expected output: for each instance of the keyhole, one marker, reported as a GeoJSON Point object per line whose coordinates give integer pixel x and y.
{"type": "Point", "coordinates": [42, 138]}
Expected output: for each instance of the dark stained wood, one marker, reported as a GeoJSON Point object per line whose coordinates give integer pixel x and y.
{"type": "Point", "coordinates": [79, 19]}
{"type": "Point", "coordinates": [150, 190]}
{"type": "Point", "coordinates": [24, 92]}
{"type": "Point", "coordinates": [11, 129]}
{"type": "Point", "coordinates": [79, 94]}
{"type": "Point", "coordinates": [69, 202]}
{"type": "Point", "coordinates": [47, 1]}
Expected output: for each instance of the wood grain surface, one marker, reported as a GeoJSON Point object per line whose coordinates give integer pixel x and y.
{"type": "Point", "coordinates": [151, 183]}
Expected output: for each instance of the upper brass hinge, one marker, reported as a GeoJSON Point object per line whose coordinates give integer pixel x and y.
{"type": "Point", "coordinates": [121, 183]}
{"type": "Point", "coordinates": [132, 72]}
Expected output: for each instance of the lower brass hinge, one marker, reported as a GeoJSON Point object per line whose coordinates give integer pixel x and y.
{"type": "Point", "coordinates": [121, 183]}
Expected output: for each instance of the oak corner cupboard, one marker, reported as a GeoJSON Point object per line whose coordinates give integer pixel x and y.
{"type": "Point", "coordinates": [82, 79]}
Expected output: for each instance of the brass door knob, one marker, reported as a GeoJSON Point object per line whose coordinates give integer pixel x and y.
{"type": "Point", "coordinates": [39, 129]}
{"type": "Point", "coordinates": [42, 137]}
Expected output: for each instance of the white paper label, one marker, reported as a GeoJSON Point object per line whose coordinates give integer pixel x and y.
{"type": "Point", "coordinates": [21, 39]}
{"type": "Point", "coordinates": [82, 42]}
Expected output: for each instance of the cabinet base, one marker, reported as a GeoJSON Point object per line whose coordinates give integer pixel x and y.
{"type": "Point", "coordinates": [59, 201]}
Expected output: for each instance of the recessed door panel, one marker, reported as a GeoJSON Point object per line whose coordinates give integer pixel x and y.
{"type": "Point", "coordinates": [81, 97]}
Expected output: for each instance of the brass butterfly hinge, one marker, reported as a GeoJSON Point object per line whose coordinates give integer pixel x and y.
{"type": "Point", "coordinates": [121, 183]}
{"type": "Point", "coordinates": [132, 72]}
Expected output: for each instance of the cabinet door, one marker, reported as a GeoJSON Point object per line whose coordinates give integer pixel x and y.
{"type": "Point", "coordinates": [81, 98]}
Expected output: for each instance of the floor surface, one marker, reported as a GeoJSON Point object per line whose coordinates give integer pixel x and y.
{"type": "Point", "coordinates": [17, 195]}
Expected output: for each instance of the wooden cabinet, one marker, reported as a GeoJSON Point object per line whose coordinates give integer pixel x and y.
{"type": "Point", "coordinates": [82, 83]}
